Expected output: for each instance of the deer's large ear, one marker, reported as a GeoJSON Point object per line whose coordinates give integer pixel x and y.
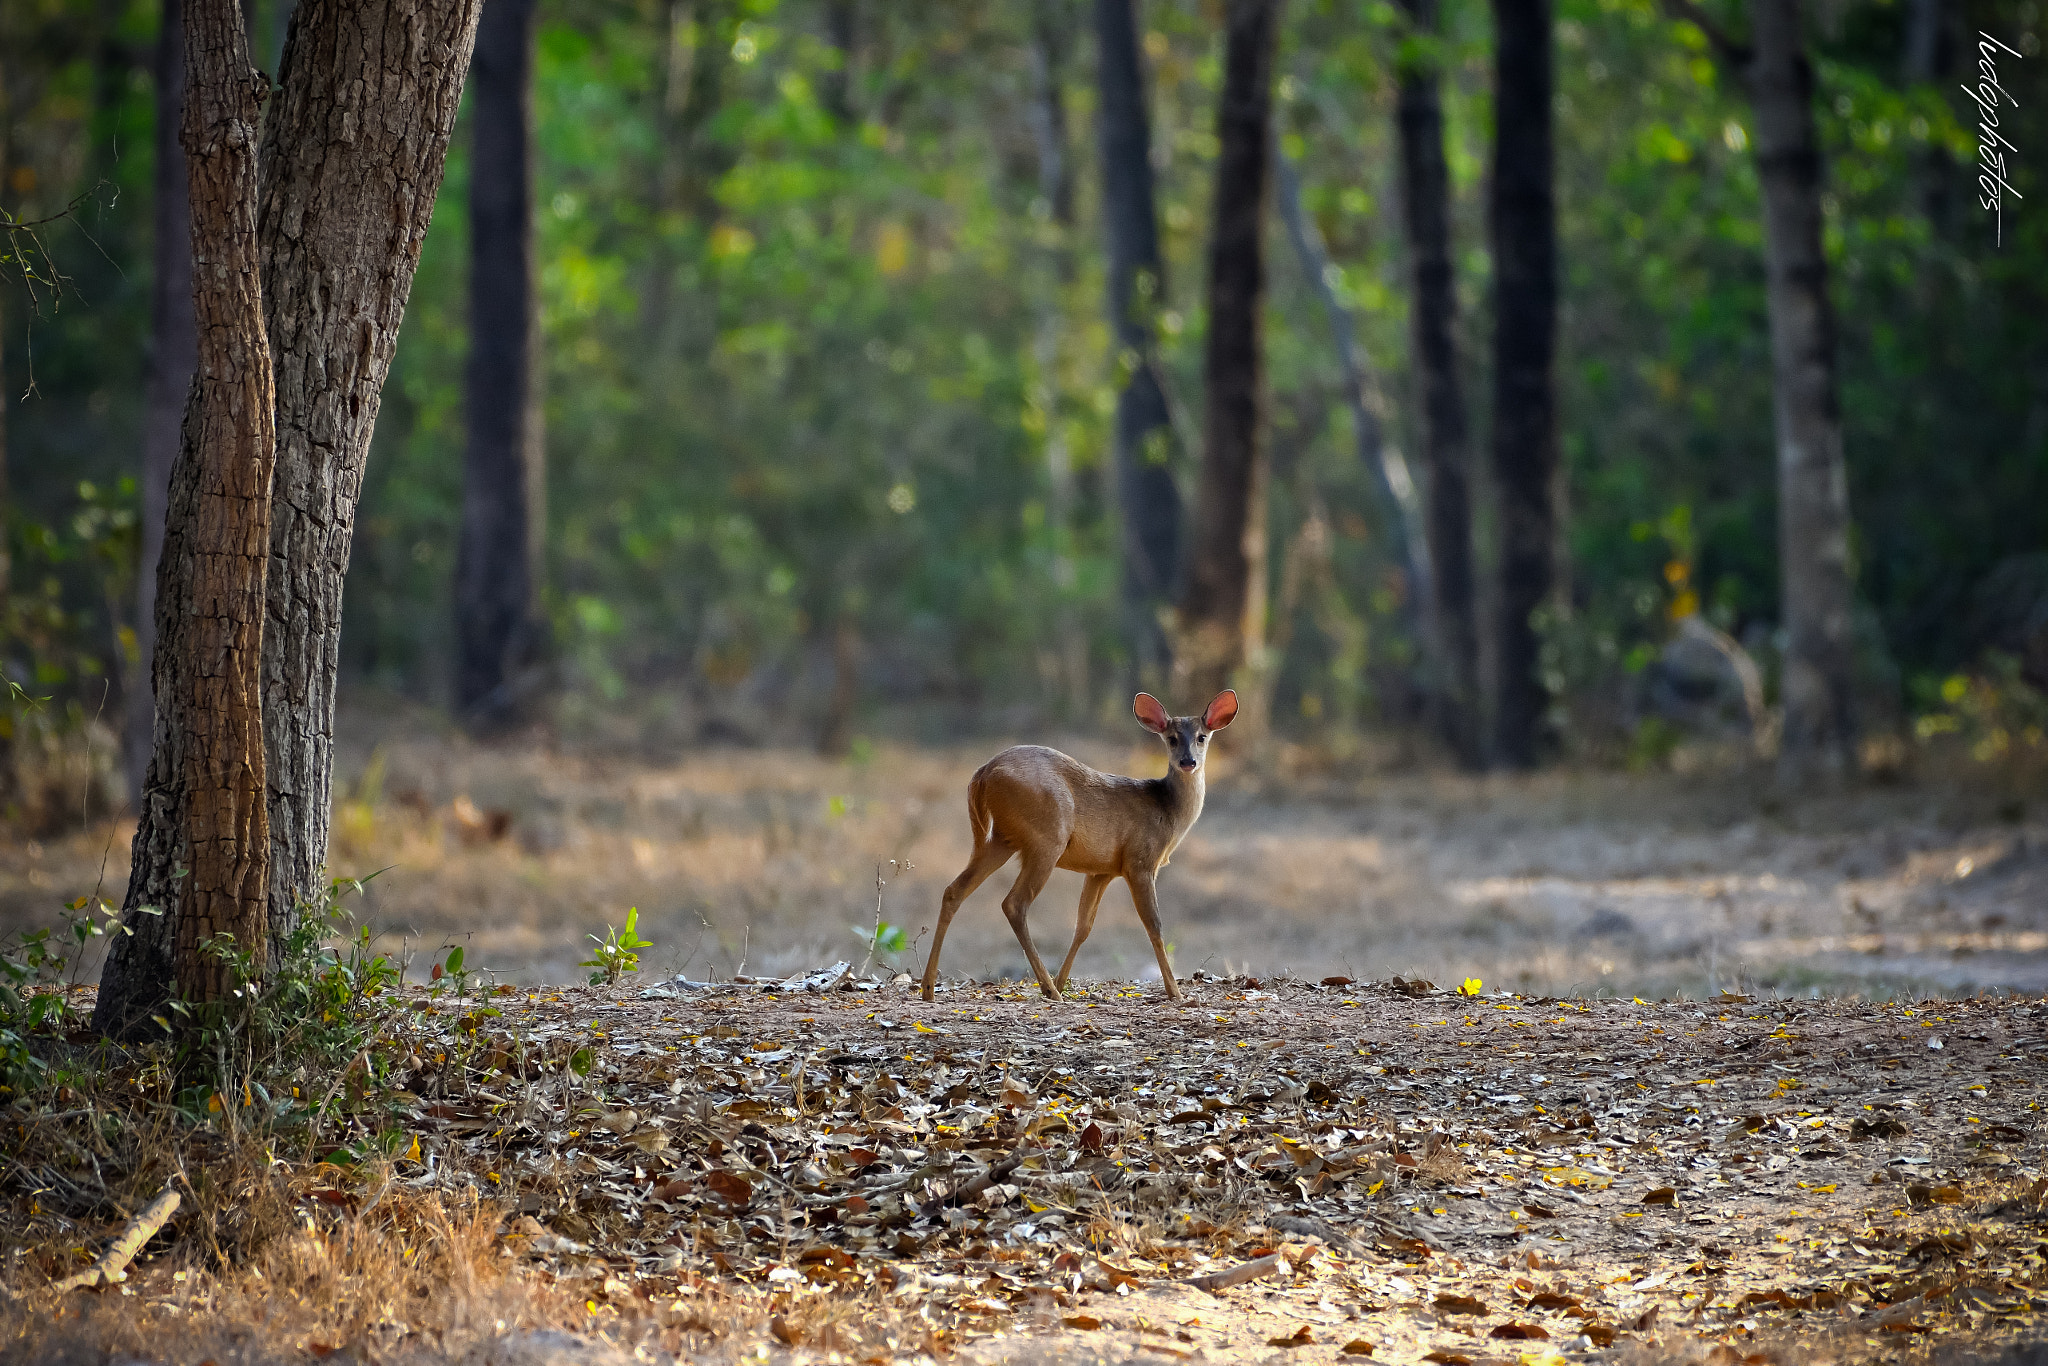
{"type": "Point", "coordinates": [1221, 711]}
{"type": "Point", "coordinates": [1150, 714]}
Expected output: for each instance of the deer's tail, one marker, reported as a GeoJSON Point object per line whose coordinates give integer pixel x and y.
{"type": "Point", "coordinates": [980, 822]}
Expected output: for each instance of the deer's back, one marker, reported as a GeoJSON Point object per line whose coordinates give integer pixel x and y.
{"type": "Point", "coordinates": [1097, 820]}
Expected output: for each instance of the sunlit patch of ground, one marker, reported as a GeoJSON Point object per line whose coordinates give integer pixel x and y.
{"type": "Point", "coordinates": [764, 860]}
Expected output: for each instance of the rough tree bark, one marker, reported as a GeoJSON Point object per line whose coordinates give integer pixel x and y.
{"type": "Point", "coordinates": [1818, 736]}
{"type": "Point", "coordinates": [1148, 498]}
{"type": "Point", "coordinates": [1222, 616]}
{"type": "Point", "coordinates": [1523, 219]}
{"type": "Point", "coordinates": [355, 143]}
{"type": "Point", "coordinates": [174, 350]}
{"type": "Point", "coordinates": [1433, 320]}
{"type": "Point", "coordinates": [497, 570]}
{"type": "Point", "coordinates": [206, 776]}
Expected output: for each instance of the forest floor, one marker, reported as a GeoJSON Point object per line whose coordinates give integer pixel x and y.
{"type": "Point", "coordinates": [1741, 1079]}
{"type": "Point", "coordinates": [745, 1174]}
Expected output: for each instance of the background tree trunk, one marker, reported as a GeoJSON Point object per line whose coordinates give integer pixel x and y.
{"type": "Point", "coordinates": [1148, 498]}
{"type": "Point", "coordinates": [1052, 44]}
{"type": "Point", "coordinates": [172, 358]}
{"type": "Point", "coordinates": [1405, 513]}
{"type": "Point", "coordinates": [1813, 498]}
{"type": "Point", "coordinates": [1433, 321]}
{"type": "Point", "coordinates": [1524, 224]}
{"type": "Point", "coordinates": [1223, 610]}
{"type": "Point", "coordinates": [835, 87]}
{"type": "Point", "coordinates": [497, 574]}
{"type": "Point", "coordinates": [355, 143]}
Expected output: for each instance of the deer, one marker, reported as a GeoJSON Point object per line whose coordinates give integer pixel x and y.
{"type": "Point", "coordinates": [1056, 812]}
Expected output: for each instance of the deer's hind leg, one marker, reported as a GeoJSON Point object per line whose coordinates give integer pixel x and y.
{"type": "Point", "coordinates": [1038, 866]}
{"type": "Point", "coordinates": [1084, 920]}
{"type": "Point", "coordinates": [988, 856]}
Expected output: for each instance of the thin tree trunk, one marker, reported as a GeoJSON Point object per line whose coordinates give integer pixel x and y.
{"type": "Point", "coordinates": [835, 88]}
{"type": "Point", "coordinates": [6, 542]}
{"type": "Point", "coordinates": [1927, 55]}
{"type": "Point", "coordinates": [207, 772]}
{"type": "Point", "coordinates": [173, 355]}
{"type": "Point", "coordinates": [1447, 455]}
{"type": "Point", "coordinates": [1813, 498]}
{"type": "Point", "coordinates": [1051, 50]}
{"type": "Point", "coordinates": [835, 737]}
{"type": "Point", "coordinates": [1148, 498]}
{"type": "Point", "coordinates": [355, 143]}
{"type": "Point", "coordinates": [1223, 609]}
{"type": "Point", "coordinates": [1524, 224]}
{"type": "Point", "coordinates": [498, 560]}
{"type": "Point", "coordinates": [1389, 468]}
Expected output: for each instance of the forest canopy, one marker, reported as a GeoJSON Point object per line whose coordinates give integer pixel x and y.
{"type": "Point", "coordinates": [827, 387]}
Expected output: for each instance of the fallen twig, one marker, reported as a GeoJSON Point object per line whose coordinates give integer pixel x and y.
{"type": "Point", "coordinates": [979, 1182]}
{"type": "Point", "coordinates": [1311, 1228]}
{"type": "Point", "coordinates": [113, 1263]}
{"type": "Point", "coordinates": [1239, 1274]}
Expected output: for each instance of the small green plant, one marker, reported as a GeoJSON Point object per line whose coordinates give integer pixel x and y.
{"type": "Point", "coordinates": [452, 968]}
{"type": "Point", "coordinates": [281, 1039]}
{"type": "Point", "coordinates": [618, 951]}
{"type": "Point", "coordinates": [38, 973]}
{"type": "Point", "coordinates": [882, 938]}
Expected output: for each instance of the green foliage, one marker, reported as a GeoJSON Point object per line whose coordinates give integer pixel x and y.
{"type": "Point", "coordinates": [813, 365]}
{"type": "Point", "coordinates": [882, 938]}
{"type": "Point", "coordinates": [618, 951]}
{"type": "Point", "coordinates": [1992, 715]}
{"type": "Point", "coordinates": [283, 1043]}
{"type": "Point", "coordinates": [38, 974]}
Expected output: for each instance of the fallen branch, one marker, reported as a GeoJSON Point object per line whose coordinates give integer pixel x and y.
{"type": "Point", "coordinates": [1896, 1313]}
{"type": "Point", "coordinates": [113, 1263]}
{"type": "Point", "coordinates": [1311, 1228]}
{"type": "Point", "coordinates": [1239, 1274]}
{"type": "Point", "coordinates": [979, 1182]}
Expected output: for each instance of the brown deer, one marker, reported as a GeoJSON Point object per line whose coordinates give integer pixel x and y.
{"type": "Point", "coordinates": [1059, 813]}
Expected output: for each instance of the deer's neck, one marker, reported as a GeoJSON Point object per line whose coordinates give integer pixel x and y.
{"type": "Point", "coordinates": [1184, 793]}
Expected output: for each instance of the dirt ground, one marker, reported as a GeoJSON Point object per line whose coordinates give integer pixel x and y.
{"type": "Point", "coordinates": [1730, 1079]}
{"type": "Point", "coordinates": [736, 1174]}
{"type": "Point", "coordinates": [762, 861]}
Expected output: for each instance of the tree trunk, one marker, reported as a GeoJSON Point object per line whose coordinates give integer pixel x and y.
{"type": "Point", "coordinates": [1813, 498]}
{"type": "Point", "coordinates": [835, 737]}
{"type": "Point", "coordinates": [1433, 320]}
{"type": "Point", "coordinates": [1929, 52]}
{"type": "Point", "coordinates": [1368, 411]}
{"type": "Point", "coordinates": [1524, 224]}
{"type": "Point", "coordinates": [205, 787]}
{"type": "Point", "coordinates": [1223, 609]}
{"type": "Point", "coordinates": [355, 142]}
{"type": "Point", "coordinates": [1148, 498]}
{"type": "Point", "coordinates": [1052, 42]}
{"type": "Point", "coordinates": [497, 619]}
{"type": "Point", "coordinates": [173, 356]}
{"type": "Point", "coordinates": [835, 87]}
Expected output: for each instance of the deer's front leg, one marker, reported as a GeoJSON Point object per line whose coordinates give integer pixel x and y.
{"type": "Point", "coordinates": [1145, 893]}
